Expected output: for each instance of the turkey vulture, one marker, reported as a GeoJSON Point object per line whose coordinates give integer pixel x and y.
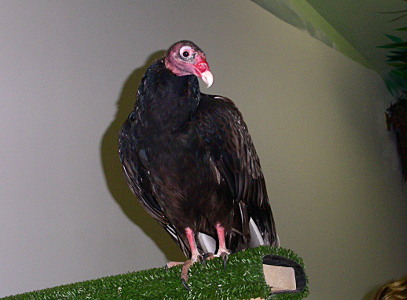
{"type": "Point", "coordinates": [190, 160]}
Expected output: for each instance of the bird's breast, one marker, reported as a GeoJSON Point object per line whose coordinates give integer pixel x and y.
{"type": "Point", "coordinates": [178, 159]}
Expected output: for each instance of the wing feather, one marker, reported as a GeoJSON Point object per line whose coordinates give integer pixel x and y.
{"type": "Point", "coordinates": [232, 150]}
{"type": "Point", "coordinates": [137, 177]}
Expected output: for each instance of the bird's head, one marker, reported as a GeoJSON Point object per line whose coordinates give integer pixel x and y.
{"type": "Point", "coordinates": [186, 58]}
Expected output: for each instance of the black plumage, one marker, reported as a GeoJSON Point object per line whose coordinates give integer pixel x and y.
{"type": "Point", "coordinates": [190, 160]}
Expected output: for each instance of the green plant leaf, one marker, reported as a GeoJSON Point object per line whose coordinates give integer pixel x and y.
{"type": "Point", "coordinates": [398, 18]}
{"type": "Point", "coordinates": [394, 38]}
{"type": "Point", "coordinates": [401, 44]}
{"type": "Point", "coordinates": [397, 65]}
{"type": "Point", "coordinates": [395, 82]}
{"type": "Point", "coordinates": [401, 74]}
{"type": "Point", "coordinates": [397, 58]}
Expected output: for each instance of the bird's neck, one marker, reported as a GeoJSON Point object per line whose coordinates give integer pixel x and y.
{"type": "Point", "coordinates": [167, 101]}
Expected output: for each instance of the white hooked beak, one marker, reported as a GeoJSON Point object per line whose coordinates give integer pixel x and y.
{"type": "Point", "coordinates": [207, 77]}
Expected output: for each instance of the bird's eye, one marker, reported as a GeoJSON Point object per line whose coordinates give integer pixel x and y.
{"type": "Point", "coordinates": [185, 51]}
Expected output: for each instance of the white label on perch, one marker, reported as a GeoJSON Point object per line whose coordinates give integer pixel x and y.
{"type": "Point", "coordinates": [279, 278]}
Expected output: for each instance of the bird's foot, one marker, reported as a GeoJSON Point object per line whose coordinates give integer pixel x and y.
{"type": "Point", "coordinates": [184, 273]}
{"type": "Point", "coordinates": [185, 268]}
{"type": "Point", "coordinates": [224, 254]}
{"type": "Point", "coordinates": [208, 256]}
{"type": "Point", "coordinates": [171, 264]}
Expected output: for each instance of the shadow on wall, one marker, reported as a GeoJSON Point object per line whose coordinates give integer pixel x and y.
{"type": "Point", "coordinates": [113, 172]}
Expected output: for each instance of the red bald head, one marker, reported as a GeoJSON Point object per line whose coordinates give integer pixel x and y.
{"type": "Point", "coordinates": [186, 58]}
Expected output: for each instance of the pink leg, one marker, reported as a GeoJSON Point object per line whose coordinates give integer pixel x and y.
{"type": "Point", "coordinates": [194, 250]}
{"type": "Point", "coordinates": [223, 252]}
{"type": "Point", "coordinates": [220, 230]}
{"type": "Point", "coordinates": [194, 256]}
{"type": "Point", "coordinates": [192, 244]}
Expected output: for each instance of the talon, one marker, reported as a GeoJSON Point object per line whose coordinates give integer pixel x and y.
{"type": "Point", "coordinates": [185, 284]}
{"type": "Point", "coordinates": [202, 259]}
{"type": "Point", "coordinates": [208, 256]}
{"type": "Point", "coordinates": [184, 272]}
{"type": "Point", "coordinates": [225, 257]}
{"type": "Point", "coordinates": [171, 264]}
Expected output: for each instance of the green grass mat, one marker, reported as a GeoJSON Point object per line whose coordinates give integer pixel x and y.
{"type": "Point", "coordinates": [242, 279]}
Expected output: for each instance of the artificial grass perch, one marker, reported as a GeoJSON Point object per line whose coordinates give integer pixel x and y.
{"type": "Point", "coordinates": [242, 279]}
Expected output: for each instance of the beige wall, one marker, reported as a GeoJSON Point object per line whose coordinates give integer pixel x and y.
{"type": "Point", "coordinates": [68, 73]}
